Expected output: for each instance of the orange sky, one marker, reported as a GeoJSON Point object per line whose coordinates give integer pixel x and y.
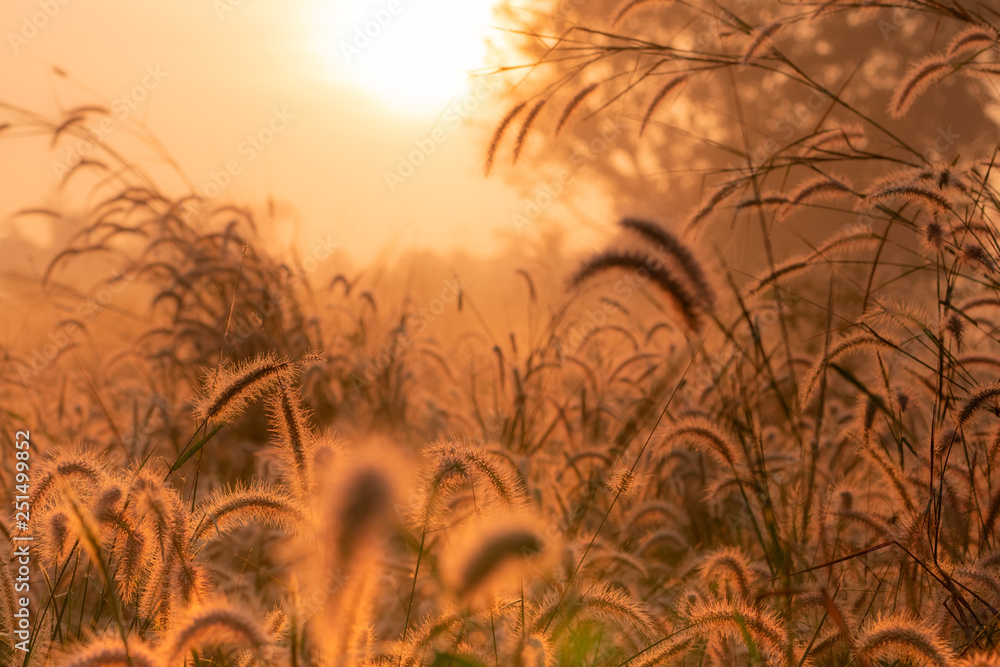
{"type": "Point", "coordinates": [207, 76]}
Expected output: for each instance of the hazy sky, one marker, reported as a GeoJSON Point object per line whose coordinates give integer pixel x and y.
{"type": "Point", "coordinates": [286, 99]}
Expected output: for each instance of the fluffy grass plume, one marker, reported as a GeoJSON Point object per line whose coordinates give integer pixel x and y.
{"type": "Point", "coordinates": [904, 637]}
{"type": "Point", "coordinates": [721, 193]}
{"type": "Point", "coordinates": [114, 654]}
{"type": "Point", "coordinates": [848, 135]}
{"type": "Point", "coordinates": [971, 39]}
{"type": "Point", "coordinates": [488, 547]}
{"type": "Point", "coordinates": [982, 397]}
{"type": "Point", "coordinates": [690, 267]}
{"type": "Point", "coordinates": [932, 200]}
{"type": "Point", "coordinates": [729, 565]}
{"type": "Point", "coordinates": [498, 133]}
{"type": "Point", "coordinates": [702, 432]}
{"type": "Point", "coordinates": [921, 76]}
{"type": "Point", "coordinates": [210, 624]}
{"type": "Point", "coordinates": [457, 465]}
{"type": "Point", "coordinates": [644, 267]}
{"type": "Point", "coordinates": [573, 104]}
{"type": "Point", "coordinates": [760, 39]}
{"type": "Point", "coordinates": [229, 390]}
{"type": "Point", "coordinates": [526, 126]}
{"type": "Point", "coordinates": [359, 508]}
{"type": "Point", "coordinates": [664, 90]}
{"type": "Point", "coordinates": [854, 344]}
{"type": "Point", "coordinates": [742, 621]}
{"type": "Point", "coordinates": [71, 465]}
{"type": "Point", "coordinates": [229, 509]}
{"type": "Point", "coordinates": [293, 435]}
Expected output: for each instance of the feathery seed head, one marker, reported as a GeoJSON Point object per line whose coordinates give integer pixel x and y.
{"type": "Point", "coordinates": [489, 548]}
{"type": "Point", "coordinates": [360, 504]}
{"type": "Point", "coordinates": [982, 397]}
{"type": "Point", "coordinates": [113, 654]}
{"type": "Point", "coordinates": [229, 390]}
{"type": "Point", "coordinates": [573, 104]}
{"type": "Point", "coordinates": [646, 268]}
{"type": "Point", "coordinates": [905, 637]}
{"type": "Point", "coordinates": [729, 565]}
{"type": "Point", "coordinates": [212, 623]}
{"type": "Point", "coordinates": [970, 39]}
{"type": "Point", "coordinates": [491, 152]}
{"type": "Point", "coordinates": [760, 39]}
{"type": "Point", "coordinates": [921, 76]}
{"type": "Point", "coordinates": [660, 95]}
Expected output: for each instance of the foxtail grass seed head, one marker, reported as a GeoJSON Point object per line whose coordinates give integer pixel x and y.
{"type": "Point", "coordinates": [624, 480]}
{"type": "Point", "coordinates": [843, 137]}
{"type": "Point", "coordinates": [740, 620]}
{"type": "Point", "coordinates": [860, 342]}
{"type": "Point", "coordinates": [975, 38]}
{"type": "Point", "coordinates": [498, 133]}
{"type": "Point", "coordinates": [729, 566]}
{"type": "Point", "coordinates": [293, 434]}
{"type": "Point", "coordinates": [704, 433]}
{"type": "Point", "coordinates": [760, 39]}
{"type": "Point", "coordinates": [679, 253]}
{"type": "Point", "coordinates": [535, 651]}
{"type": "Point", "coordinates": [646, 268]}
{"type": "Point", "coordinates": [113, 653]}
{"type": "Point", "coordinates": [229, 509]}
{"type": "Point", "coordinates": [573, 104]}
{"type": "Point", "coordinates": [905, 637]}
{"type": "Point", "coordinates": [491, 547]}
{"type": "Point", "coordinates": [359, 509]}
{"type": "Point", "coordinates": [210, 624]}
{"type": "Point", "coordinates": [981, 398]}
{"type": "Point", "coordinates": [917, 80]}
{"type": "Point", "coordinates": [529, 121]}
{"type": "Point", "coordinates": [931, 199]}
{"type": "Point", "coordinates": [672, 83]}
{"type": "Point", "coordinates": [229, 390]}
{"type": "Point", "coordinates": [721, 193]}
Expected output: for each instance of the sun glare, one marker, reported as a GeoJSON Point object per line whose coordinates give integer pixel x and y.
{"type": "Point", "coordinates": [410, 54]}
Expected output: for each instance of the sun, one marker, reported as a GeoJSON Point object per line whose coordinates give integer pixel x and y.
{"type": "Point", "coordinates": [415, 55]}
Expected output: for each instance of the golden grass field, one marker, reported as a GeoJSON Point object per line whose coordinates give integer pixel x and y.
{"type": "Point", "coordinates": [759, 427]}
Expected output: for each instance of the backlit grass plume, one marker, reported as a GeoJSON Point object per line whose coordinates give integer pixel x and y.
{"type": "Point", "coordinates": [293, 435]}
{"type": "Point", "coordinates": [980, 398]}
{"type": "Point", "coordinates": [921, 76]}
{"type": "Point", "coordinates": [762, 630]}
{"type": "Point", "coordinates": [645, 268]}
{"type": "Point", "coordinates": [260, 503]}
{"type": "Point", "coordinates": [729, 566]}
{"type": "Point", "coordinates": [490, 545]}
{"type": "Point", "coordinates": [212, 624]}
{"type": "Point", "coordinates": [228, 390]}
{"type": "Point", "coordinates": [114, 654]}
{"type": "Point", "coordinates": [359, 507]}
{"type": "Point", "coordinates": [677, 252]}
{"type": "Point", "coordinates": [573, 104]}
{"type": "Point", "coordinates": [904, 637]}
